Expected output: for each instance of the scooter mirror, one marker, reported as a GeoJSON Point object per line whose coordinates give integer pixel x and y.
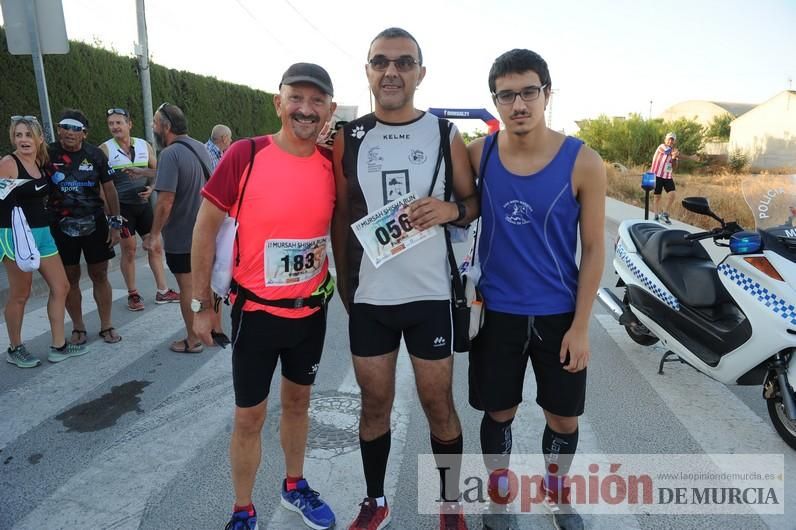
{"type": "Point", "coordinates": [698, 205]}
{"type": "Point", "coordinates": [701, 206]}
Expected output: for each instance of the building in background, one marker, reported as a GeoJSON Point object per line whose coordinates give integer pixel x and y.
{"type": "Point", "coordinates": [767, 133]}
{"type": "Point", "coordinates": [704, 112]}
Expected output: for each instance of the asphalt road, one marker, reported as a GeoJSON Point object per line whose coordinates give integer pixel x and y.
{"type": "Point", "coordinates": [134, 436]}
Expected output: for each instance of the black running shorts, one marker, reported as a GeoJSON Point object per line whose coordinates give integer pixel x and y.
{"type": "Point", "coordinates": [500, 354]}
{"type": "Point", "coordinates": [663, 184]}
{"type": "Point", "coordinates": [178, 263]}
{"type": "Point", "coordinates": [94, 247]}
{"type": "Point", "coordinates": [259, 339]}
{"type": "Point", "coordinates": [425, 326]}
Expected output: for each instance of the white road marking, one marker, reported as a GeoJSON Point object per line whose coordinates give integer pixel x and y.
{"type": "Point", "coordinates": [56, 386]}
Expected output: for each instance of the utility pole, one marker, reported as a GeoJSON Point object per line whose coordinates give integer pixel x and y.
{"type": "Point", "coordinates": [38, 71]}
{"type": "Point", "coordinates": [142, 52]}
{"type": "Point", "coordinates": [649, 117]}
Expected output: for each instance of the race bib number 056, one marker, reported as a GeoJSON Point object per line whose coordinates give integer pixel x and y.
{"type": "Point", "coordinates": [388, 233]}
{"type": "Point", "coordinates": [289, 261]}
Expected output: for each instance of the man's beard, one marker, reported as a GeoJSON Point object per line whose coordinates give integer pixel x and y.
{"type": "Point", "coordinates": [159, 142]}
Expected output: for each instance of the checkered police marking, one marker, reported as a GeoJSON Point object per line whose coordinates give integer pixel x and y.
{"type": "Point", "coordinates": [661, 294]}
{"type": "Point", "coordinates": [771, 301]}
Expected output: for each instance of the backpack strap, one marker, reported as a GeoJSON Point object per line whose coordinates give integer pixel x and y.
{"type": "Point", "coordinates": [240, 201]}
{"type": "Point", "coordinates": [201, 162]}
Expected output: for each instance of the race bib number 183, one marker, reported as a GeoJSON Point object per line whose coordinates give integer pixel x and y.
{"type": "Point", "coordinates": [289, 261]}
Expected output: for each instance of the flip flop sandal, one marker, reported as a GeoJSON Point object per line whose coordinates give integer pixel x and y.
{"type": "Point", "coordinates": [107, 336]}
{"type": "Point", "coordinates": [220, 339]}
{"type": "Point", "coordinates": [80, 332]}
{"type": "Point", "coordinates": [186, 348]}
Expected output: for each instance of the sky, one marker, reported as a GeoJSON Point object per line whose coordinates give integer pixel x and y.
{"type": "Point", "coordinates": [605, 57]}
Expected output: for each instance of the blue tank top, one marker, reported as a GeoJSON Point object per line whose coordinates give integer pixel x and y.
{"type": "Point", "coordinates": [529, 235]}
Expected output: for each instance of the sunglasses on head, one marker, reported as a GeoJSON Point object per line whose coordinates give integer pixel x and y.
{"type": "Point", "coordinates": [116, 110]}
{"type": "Point", "coordinates": [162, 110]}
{"type": "Point", "coordinates": [15, 119]}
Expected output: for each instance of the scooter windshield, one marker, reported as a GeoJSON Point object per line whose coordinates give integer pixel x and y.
{"type": "Point", "coordinates": [772, 199]}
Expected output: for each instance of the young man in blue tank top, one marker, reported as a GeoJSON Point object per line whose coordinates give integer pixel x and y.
{"type": "Point", "coordinates": [539, 189]}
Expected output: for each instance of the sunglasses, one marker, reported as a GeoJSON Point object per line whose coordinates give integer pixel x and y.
{"type": "Point", "coordinates": [15, 119]}
{"type": "Point", "coordinates": [404, 63]}
{"type": "Point", "coordinates": [162, 110]}
{"type": "Point", "coordinates": [69, 127]}
{"type": "Point", "coordinates": [116, 110]}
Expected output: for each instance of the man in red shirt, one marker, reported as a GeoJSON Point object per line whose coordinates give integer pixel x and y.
{"type": "Point", "coordinates": [283, 204]}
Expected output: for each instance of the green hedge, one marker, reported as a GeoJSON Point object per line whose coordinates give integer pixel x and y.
{"type": "Point", "coordinates": [93, 79]}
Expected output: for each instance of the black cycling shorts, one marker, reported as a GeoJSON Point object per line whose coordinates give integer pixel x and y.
{"type": "Point", "coordinates": [425, 325]}
{"type": "Point", "coordinates": [499, 357]}
{"type": "Point", "coordinates": [94, 247]}
{"type": "Point", "coordinates": [259, 339]}
{"type": "Point", "coordinates": [138, 218]}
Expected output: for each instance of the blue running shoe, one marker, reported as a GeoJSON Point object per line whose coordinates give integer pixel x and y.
{"type": "Point", "coordinates": [242, 520]}
{"type": "Point", "coordinates": [307, 502]}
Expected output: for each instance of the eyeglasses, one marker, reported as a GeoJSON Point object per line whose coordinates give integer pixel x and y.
{"type": "Point", "coordinates": [404, 63]}
{"type": "Point", "coordinates": [15, 119]}
{"type": "Point", "coordinates": [162, 110]}
{"type": "Point", "coordinates": [116, 110]}
{"type": "Point", "coordinates": [70, 127]}
{"type": "Point", "coordinates": [508, 97]}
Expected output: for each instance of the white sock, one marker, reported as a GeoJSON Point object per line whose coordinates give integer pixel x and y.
{"type": "Point", "coordinates": [381, 501]}
{"type": "Point", "coordinates": [163, 291]}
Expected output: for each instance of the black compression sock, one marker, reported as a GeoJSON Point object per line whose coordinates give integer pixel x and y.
{"type": "Point", "coordinates": [559, 450]}
{"type": "Point", "coordinates": [496, 442]}
{"type": "Point", "coordinates": [374, 461]}
{"type": "Point", "coordinates": [448, 456]}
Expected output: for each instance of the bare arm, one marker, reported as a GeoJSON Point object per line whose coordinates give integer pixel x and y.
{"type": "Point", "coordinates": [474, 150]}
{"type": "Point", "coordinates": [162, 212]}
{"type": "Point", "coordinates": [340, 222]}
{"type": "Point", "coordinates": [111, 197]}
{"type": "Point", "coordinates": [203, 247]}
{"type": "Point", "coordinates": [429, 211]}
{"type": "Point", "coordinates": [8, 168]}
{"type": "Point", "coordinates": [590, 185]}
{"type": "Point", "coordinates": [203, 250]}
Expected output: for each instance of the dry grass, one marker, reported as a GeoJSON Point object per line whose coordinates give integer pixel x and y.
{"type": "Point", "coordinates": [723, 190]}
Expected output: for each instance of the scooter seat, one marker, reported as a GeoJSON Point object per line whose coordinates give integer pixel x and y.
{"type": "Point", "coordinates": [640, 233]}
{"type": "Point", "coordinates": [684, 267]}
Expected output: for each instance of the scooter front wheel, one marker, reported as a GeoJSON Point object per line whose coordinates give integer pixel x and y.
{"type": "Point", "coordinates": [785, 428]}
{"type": "Point", "coordinates": [636, 330]}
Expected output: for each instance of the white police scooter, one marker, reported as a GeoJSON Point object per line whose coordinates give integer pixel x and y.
{"type": "Point", "coordinates": [735, 322]}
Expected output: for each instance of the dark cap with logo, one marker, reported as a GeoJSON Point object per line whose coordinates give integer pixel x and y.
{"type": "Point", "coordinates": [308, 73]}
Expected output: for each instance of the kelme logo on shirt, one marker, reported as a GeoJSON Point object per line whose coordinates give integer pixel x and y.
{"type": "Point", "coordinates": [518, 212]}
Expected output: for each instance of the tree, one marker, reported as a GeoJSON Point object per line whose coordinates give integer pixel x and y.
{"type": "Point", "coordinates": [632, 141]}
{"type": "Point", "coordinates": [719, 127]}
{"type": "Point", "coordinates": [469, 137]}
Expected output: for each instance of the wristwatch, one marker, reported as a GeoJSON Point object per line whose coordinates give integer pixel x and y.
{"type": "Point", "coordinates": [462, 212]}
{"type": "Point", "coordinates": [198, 306]}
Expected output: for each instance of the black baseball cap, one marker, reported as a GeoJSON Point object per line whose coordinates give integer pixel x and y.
{"type": "Point", "coordinates": [308, 73]}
